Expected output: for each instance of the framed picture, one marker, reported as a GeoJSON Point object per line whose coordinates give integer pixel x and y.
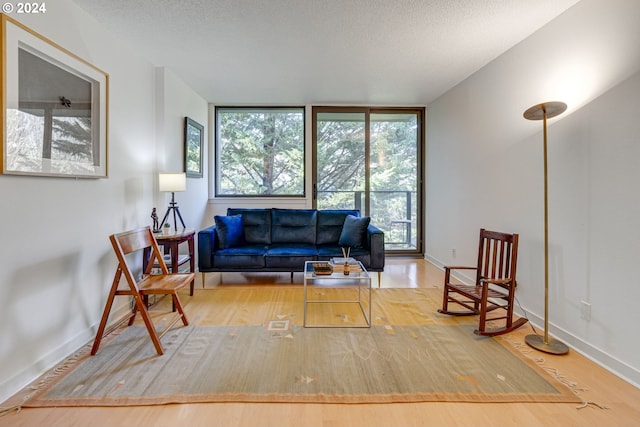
{"type": "Point", "coordinates": [193, 138]}
{"type": "Point", "coordinates": [54, 108]}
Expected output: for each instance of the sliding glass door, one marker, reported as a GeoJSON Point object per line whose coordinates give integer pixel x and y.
{"type": "Point", "coordinates": [370, 159]}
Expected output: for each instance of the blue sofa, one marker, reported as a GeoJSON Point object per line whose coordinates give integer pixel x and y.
{"type": "Point", "coordinates": [281, 240]}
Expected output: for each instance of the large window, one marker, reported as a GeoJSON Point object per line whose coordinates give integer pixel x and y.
{"type": "Point", "coordinates": [260, 151]}
{"type": "Point", "coordinates": [370, 159]}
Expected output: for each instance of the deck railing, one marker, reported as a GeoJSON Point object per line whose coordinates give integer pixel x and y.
{"type": "Point", "coordinates": [391, 210]}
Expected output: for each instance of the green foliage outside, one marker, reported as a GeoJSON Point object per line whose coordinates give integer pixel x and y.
{"type": "Point", "coordinates": [393, 169]}
{"type": "Point", "coordinates": [261, 153]}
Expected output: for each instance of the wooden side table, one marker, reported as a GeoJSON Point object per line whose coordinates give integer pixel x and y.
{"type": "Point", "coordinates": [171, 244]}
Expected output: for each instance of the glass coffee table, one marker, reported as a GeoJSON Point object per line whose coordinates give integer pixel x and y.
{"type": "Point", "coordinates": [337, 300]}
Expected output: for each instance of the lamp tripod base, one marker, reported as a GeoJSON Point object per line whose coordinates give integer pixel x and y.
{"type": "Point", "coordinates": [551, 346]}
{"type": "Point", "coordinates": [173, 206]}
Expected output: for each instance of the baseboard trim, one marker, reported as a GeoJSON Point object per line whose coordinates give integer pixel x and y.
{"type": "Point", "coordinates": [25, 377]}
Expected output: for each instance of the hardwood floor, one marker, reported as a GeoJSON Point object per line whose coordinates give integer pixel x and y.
{"type": "Point", "coordinates": [595, 384]}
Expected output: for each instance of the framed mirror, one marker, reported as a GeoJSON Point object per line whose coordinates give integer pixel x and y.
{"type": "Point", "coordinates": [54, 108]}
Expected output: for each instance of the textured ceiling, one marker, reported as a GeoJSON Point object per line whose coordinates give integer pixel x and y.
{"type": "Point", "coordinates": [391, 52]}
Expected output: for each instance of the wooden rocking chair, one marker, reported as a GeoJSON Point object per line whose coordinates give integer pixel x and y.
{"type": "Point", "coordinates": [150, 284]}
{"type": "Point", "coordinates": [494, 287]}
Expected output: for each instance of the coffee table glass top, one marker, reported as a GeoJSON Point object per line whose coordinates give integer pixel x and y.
{"type": "Point", "coordinates": [356, 270]}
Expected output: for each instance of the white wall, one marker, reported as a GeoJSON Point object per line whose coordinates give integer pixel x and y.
{"type": "Point", "coordinates": [176, 101]}
{"type": "Point", "coordinates": [57, 263]}
{"type": "Point", "coordinates": [485, 170]}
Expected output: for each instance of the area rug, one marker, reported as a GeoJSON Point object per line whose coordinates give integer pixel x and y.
{"type": "Point", "coordinates": [281, 361]}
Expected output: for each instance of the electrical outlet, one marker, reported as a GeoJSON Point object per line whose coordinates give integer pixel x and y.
{"type": "Point", "coordinates": [585, 310]}
{"type": "Point", "coordinates": [453, 253]}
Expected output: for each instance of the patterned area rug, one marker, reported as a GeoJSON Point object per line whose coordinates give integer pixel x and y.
{"type": "Point", "coordinates": [433, 359]}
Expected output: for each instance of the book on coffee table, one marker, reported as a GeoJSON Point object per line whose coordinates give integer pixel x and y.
{"type": "Point", "coordinates": [341, 261]}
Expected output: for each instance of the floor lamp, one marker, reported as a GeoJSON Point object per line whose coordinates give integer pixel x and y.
{"type": "Point", "coordinates": [172, 182]}
{"type": "Point", "coordinates": [543, 112]}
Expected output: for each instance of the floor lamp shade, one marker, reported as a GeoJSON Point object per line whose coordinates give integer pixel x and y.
{"type": "Point", "coordinates": [544, 343]}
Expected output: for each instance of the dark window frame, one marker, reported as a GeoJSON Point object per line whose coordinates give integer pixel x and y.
{"type": "Point", "coordinates": [216, 159]}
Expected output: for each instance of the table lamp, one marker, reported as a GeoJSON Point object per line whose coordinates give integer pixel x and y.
{"type": "Point", "coordinates": [172, 182]}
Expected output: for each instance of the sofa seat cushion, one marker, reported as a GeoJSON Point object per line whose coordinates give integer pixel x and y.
{"type": "Point", "coordinates": [326, 252]}
{"type": "Point", "coordinates": [293, 226]}
{"type": "Point", "coordinates": [330, 222]}
{"type": "Point", "coordinates": [281, 255]}
{"type": "Point", "coordinates": [248, 256]}
{"type": "Point", "coordinates": [291, 249]}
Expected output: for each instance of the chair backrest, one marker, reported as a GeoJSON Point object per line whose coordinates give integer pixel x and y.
{"type": "Point", "coordinates": [497, 255]}
{"type": "Point", "coordinates": [131, 241]}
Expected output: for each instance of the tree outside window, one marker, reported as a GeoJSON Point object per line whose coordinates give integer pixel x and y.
{"type": "Point", "coordinates": [260, 151]}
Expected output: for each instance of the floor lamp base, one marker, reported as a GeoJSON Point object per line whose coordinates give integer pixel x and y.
{"type": "Point", "coordinates": [552, 346]}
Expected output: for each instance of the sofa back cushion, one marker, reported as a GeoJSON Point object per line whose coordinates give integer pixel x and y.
{"type": "Point", "coordinates": [256, 224]}
{"type": "Point", "coordinates": [293, 225]}
{"type": "Point", "coordinates": [330, 222]}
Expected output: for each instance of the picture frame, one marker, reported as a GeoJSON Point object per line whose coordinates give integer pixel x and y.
{"type": "Point", "coordinates": [193, 144]}
{"type": "Point", "coordinates": [54, 108]}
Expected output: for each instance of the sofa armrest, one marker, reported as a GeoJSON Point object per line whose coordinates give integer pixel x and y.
{"type": "Point", "coordinates": [207, 244]}
{"type": "Point", "coordinates": [375, 239]}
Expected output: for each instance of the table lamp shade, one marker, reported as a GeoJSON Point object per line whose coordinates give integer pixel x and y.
{"type": "Point", "coordinates": [172, 182]}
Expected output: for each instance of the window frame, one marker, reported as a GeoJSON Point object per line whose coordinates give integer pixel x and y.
{"type": "Point", "coordinates": [421, 162]}
{"type": "Point", "coordinates": [217, 150]}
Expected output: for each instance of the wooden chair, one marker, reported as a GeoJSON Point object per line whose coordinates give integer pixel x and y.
{"type": "Point", "coordinates": [149, 284]}
{"type": "Point", "coordinates": [494, 287]}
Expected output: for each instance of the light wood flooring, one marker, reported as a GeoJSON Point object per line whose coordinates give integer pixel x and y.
{"type": "Point", "coordinates": [600, 386]}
